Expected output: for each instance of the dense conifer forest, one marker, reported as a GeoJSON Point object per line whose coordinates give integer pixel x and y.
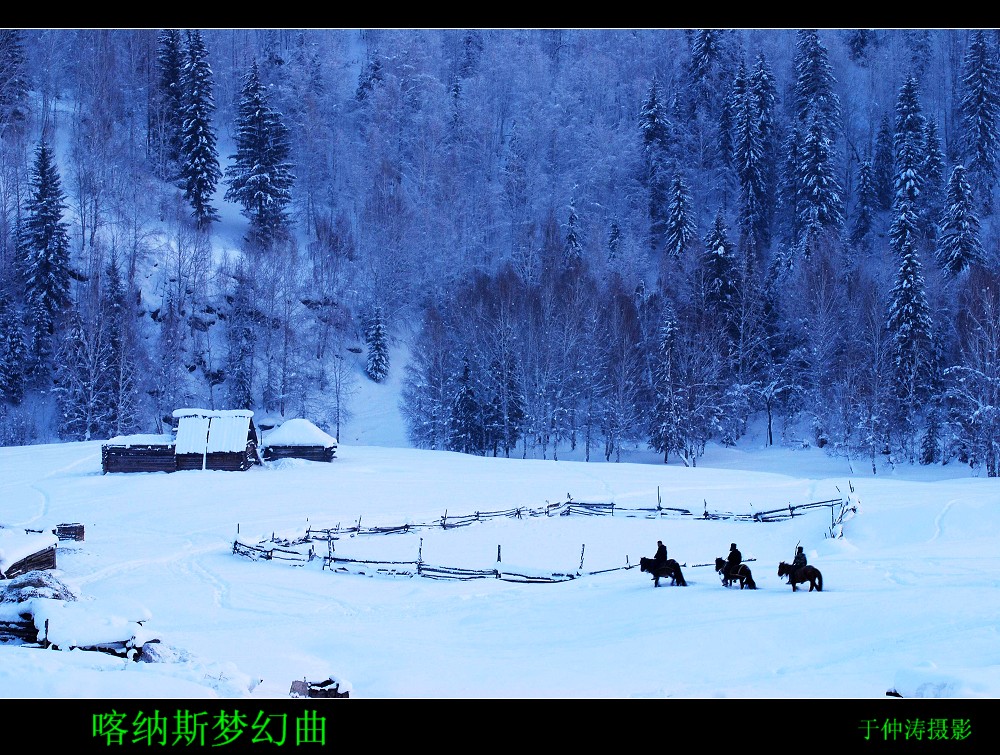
{"type": "Point", "coordinates": [581, 239]}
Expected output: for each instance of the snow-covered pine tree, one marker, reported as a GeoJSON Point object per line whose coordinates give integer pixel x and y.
{"type": "Point", "coordinates": [680, 227]}
{"type": "Point", "coordinates": [910, 154]}
{"type": "Point", "coordinates": [883, 165]}
{"type": "Point", "coordinates": [573, 249]}
{"type": "Point", "coordinates": [748, 162]}
{"type": "Point", "coordinates": [369, 78]}
{"type": "Point", "coordinates": [865, 210]}
{"type": "Point", "coordinates": [813, 187]}
{"type": "Point", "coordinates": [427, 392]}
{"type": "Point", "coordinates": [44, 254]}
{"type": "Point", "coordinates": [166, 384]}
{"type": "Point", "coordinates": [958, 243]}
{"type": "Point", "coordinates": [13, 354]}
{"type": "Point", "coordinates": [260, 176]}
{"type": "Point", "coordinates": [934, 181]}
{"type": "Point", "coordinates": [980, 111]}
{"type": "Point", "coordinates": [728, 118]}
{"type": "Point", "coordinates": [121, 377]}
{"type": "Point", "coordinates": [719, 271]}
{"type": "Point", "coordinates": [861, 43]}
{"type": "Point", "coordinates": [655, 129]}
{"type": "Point", "coordinates": [377, 339]}
{"type": "Point", "coordinates": [910, 325]}
{"type": "Point", "coordinates": [79, 381]}
{"type": "Point", "coordinates": [762, 89]}
{"type": "Point", "coordinates": [814, 92]}
{"type": "Point", "coordinates": [166, 110]}
{"type": "Point", "coordinates": [199, 159]}
{"type": "Point", "coordinates": [242, 342]}
{"type": "Point", "coordinates": [665, 416]}
{"type": "Point", "coordinates": [614, 240]}
{"type": "Point", "coordinates": [13, 79]}
{"type": "Point", "coordinates": [466, 434]}
{"type": "Point", "coordinates": [820, 203]}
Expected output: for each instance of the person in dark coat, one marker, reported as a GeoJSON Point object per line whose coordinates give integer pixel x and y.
{"type": "Point", "coordinates": [734, 560]}
{"type": "Point", "coordinates": [800, 558]}
{"type": "Point", "coordinates": [660, 559]}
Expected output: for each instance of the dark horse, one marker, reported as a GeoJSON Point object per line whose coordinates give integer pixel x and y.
{"type": "Point", "coordinates": [743, 574]}
{"type": "Point", "coordinates": [806, 573]}
{"type": "Point", "coordinates": [671, 569]}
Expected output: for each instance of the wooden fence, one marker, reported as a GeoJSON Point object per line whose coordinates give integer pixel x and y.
{"type": "Point", "coordinates": [303, 549]}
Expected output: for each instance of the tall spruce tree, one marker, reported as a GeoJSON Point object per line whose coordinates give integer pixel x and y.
{"type": "Point", "coordinates": [166, 113]}
{"type": "Point", "coordinates": [665, 417]}
{"type": "Point", "coordinates": [762, 90]}
{"type": "Point", "coordinates": [199, 159]}
{"type": "Point", "coordinates": [865, 210]}
{"type": "Point", "coordinates": [242, 341]}
{"type": "Point", "coordinates": [934, 180]}
{"type": "Point", "coordinates": [13, 354]}
{"type": "Point", "coordinates": [376, 337]}
{"type": "Point", "coordinates": [44, 252]}
{"type": "Point", "coordinates": [749, 158]}
{"type": "Point", "coordinates": [719, 270]}
{"type": "Point", "coordinates": [573, 248]}
{"type": "Point", "coordinates": [959, 245]}
{"type": "Point", "coordinates": [655, 129]}
{"type": "Point", "coordinates": [910, 325]}
{"type": "Point", "coordinates": [121, 377]}
{"type": "Point", "coordinates": [731, 107]}
{"type": "Point", "coordinates": [680, 228]}
{"type": "Point", "coordinates": [13, 79]}
{"type": "Point", "coordinates": [980, 110]}
{"type": "Point", "coordinates": [812, 160]}
{"type": "Point", "coordinates": [260, 176]}
{"type": "Point", "coordinates": [820, 204]}
{"type": "Point", "coordinates": [813, 92]}
{"type": "Point", "coordinates": [909, 149]}
{"type": "Point", "coordinates": [883, 164]}
{"type": "Point", "coordinates": [466, 434]}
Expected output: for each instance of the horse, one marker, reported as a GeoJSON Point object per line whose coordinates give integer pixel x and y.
{"type": "Point", "coordinates": [743, 574]}
{"type": "Point", "coordinates": [671, 569]}
{"type": "Point", "coordinates": [806, 573]}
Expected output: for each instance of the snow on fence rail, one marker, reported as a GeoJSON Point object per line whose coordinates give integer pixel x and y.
{"type": "Point", "coordinates": [583, 508]}
{"type": "Point", "coordinates": [285, 550]}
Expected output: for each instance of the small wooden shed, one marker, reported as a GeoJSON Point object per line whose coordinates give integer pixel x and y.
{"type": "Point", "coordinates": [299, 439]}
{"type": "Point", "coordinates": [138, 453]}
{"type": "Point", "coordinates": [21, 552]}
{"type": "Point", "coordinates": [223, 439]}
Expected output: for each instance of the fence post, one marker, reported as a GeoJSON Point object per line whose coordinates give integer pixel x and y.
{"type": "Point", "coordinates": [582, 549]}
{"type": "Point", "coordinates": [498, 554]}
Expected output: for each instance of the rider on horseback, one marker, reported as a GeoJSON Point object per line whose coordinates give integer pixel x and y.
{"type": "Point", "coordinates": [800, 558]}
{"type": "Point", "coordinates": [733, 561]}
{"type": "Point", "coordinates": [660, 559]}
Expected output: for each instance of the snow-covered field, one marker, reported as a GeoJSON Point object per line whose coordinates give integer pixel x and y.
{"type": "Point", "coordinates": [910, 599]}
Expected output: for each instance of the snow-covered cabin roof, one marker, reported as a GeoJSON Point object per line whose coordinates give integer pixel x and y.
{"type": "Point", "coordinates": [148, 439]}
{"type": "Point", "coordinates": [212, 413]}
{"type": "Point", "coordinates": [212, 430]}
{"type": "Point", "coordinates": [299, 432]}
